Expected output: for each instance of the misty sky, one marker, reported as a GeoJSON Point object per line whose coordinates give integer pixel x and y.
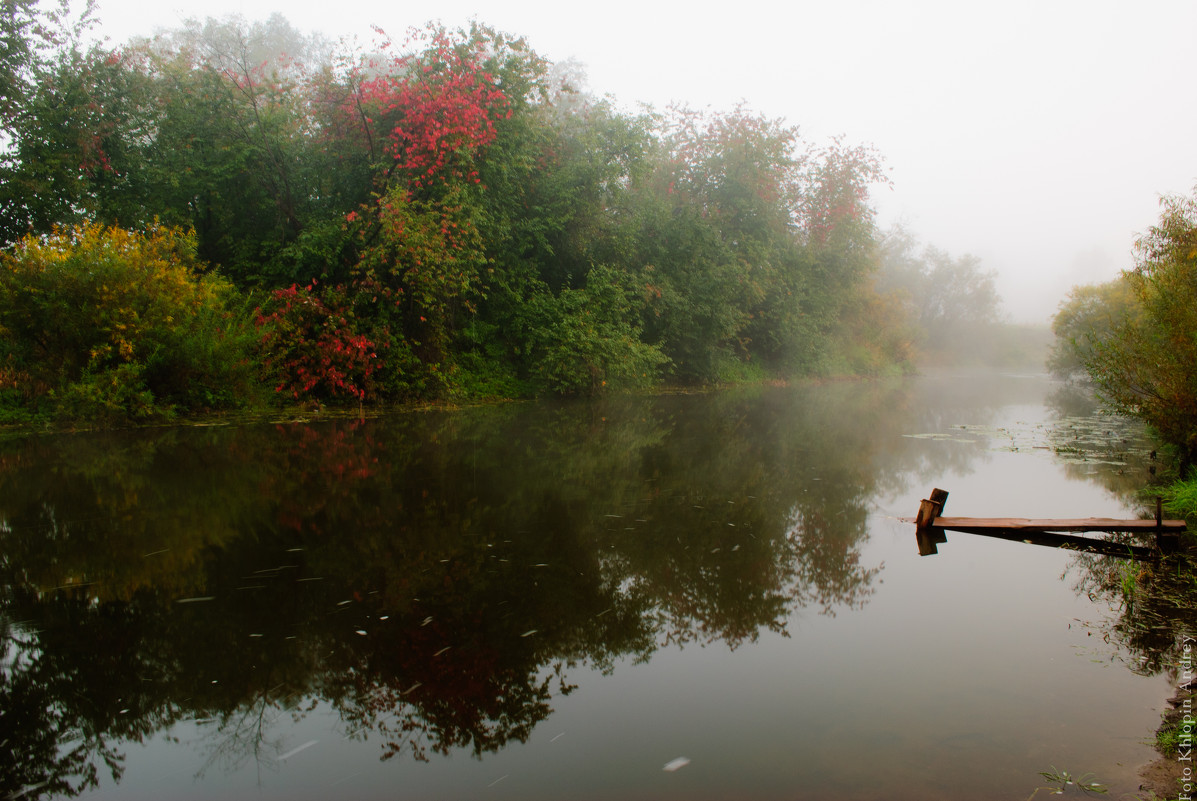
{"type": "Point", "coordinates": [1035, 135]}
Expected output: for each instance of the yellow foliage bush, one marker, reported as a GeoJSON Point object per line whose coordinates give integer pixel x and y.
{"type": "Point", "coordinates": [107, 322]}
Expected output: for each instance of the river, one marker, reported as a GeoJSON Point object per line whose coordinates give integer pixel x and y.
{"type": "Point", "coordinates": [699, 596]}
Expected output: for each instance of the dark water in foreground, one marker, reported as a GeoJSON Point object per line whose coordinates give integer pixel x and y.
{"type": "Point", "coordinates": [563, 601]}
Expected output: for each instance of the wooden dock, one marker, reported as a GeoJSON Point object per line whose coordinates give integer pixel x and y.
{"type": "Point", "coordinates": [931, 525]}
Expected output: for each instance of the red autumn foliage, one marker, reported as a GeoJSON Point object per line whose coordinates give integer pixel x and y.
{"type": "Point", "coordinates": [431, 108]}
{"type": "Point", "coordinates": [309, 340]}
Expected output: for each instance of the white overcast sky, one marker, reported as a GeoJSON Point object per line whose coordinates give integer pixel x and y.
{"type": "Point", "coordinates": [1038, 135]}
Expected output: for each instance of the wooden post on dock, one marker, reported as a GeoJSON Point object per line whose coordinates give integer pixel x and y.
{"type": "Point", "coordinates": [928, 536]}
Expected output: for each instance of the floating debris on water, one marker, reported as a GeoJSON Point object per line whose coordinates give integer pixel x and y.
{"type": "Point", "coordinates": [412, 688]}
{"type": "Point", "coordinates": [154, 553]}
{"type": "Point", "coordinates": [196, 600]}
{"type": "Point", "coordinates": [426, 621]}
{"type": "Point", "coordinates": [496, 781]}
{"type": "Point", "coordinates": [295, 751]}
{"type": "Point", "coordinates": [343, 603]}
{"type": "Point", "coordinates": [529, 633]}
{"type": "Point", "coordinates": [676, 764]}
{"type": "Point", "coordinates": [446, 648]}
{"type": "Point", "coordinates": [361, 632]}
{"type": "Point", "coordinates": [558, 737]}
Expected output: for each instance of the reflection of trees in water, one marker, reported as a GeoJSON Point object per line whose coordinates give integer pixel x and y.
{"type": "Point", "coordinates": [64, 698]}
{"type": "Point", "coordinates": [1112, 452]}
{"type": "Point", "coordinates": [47, 745]}
{"type": "Point", "coordinates": [1093, 445]}
{"type": "Point", "coordinates": [942, 423]}
{"type": "Point", "coordinates": [121, 511]}
{"type": "Point", "coordinates": [1154, 602]}
{"type": "Point", "coordinates": [244, 734]}
{"type": "Point", "coordinates": [1152, 599]}
{"type": "Point", "coordinates": [432, 577]}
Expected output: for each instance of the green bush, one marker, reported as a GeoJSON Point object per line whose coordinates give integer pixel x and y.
{"type": "Point", "coordinates": [106, 323]}
{"type": "Point", "coordinates": [585, 342]}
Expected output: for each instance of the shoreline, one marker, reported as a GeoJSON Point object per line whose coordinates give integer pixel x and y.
{"type": "Point", "coordinates": [1165, 776]}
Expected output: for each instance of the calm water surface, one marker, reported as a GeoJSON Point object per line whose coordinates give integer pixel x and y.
{"type": "Point", "coordinates": [560, 601]}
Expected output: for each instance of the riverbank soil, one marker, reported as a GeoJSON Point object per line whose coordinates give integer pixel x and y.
{"type": "Point", "coordinates": [1163, 778]}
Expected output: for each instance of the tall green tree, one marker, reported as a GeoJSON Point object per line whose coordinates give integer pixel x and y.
{"type": "Point", "coordinates": [951, 301]}
{"type": "Point", "coordinates": [30, 32]}
{"type": "Point", "coordinates": [754, 240]}
{"type": "Point", "coordinates": [556, 209]}
{"type": "Point", "coordinates": [1147, 367]}
{"type": "Point", "coordinates": [235, 154]}
{"type": "Point", "coordinates": [76, 117]}
{"type": "Point", "coordinates": [19, 40]}
{"type": "Point", "coordinates": [1085, 321]}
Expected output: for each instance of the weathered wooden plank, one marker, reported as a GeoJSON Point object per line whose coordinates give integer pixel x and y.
{"type": "Point", "coordinates": [1098, 524]}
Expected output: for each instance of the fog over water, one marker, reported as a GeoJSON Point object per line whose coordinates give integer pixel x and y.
{"type": "Point", "coordinates": [1037, 136]}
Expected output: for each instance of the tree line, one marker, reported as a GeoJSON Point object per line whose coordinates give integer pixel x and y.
{"type": "Point", "coordinates": [230, 206]}
{"type": "Point", "coordinates": [1135, 338]}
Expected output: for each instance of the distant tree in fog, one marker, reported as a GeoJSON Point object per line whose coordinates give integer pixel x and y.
{"type": "Point", "coordinates": [945, 296]}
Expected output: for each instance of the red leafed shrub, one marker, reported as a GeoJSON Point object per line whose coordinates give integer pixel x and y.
{"type": "Point", "coordinates": [435, 109]}
{"type": "Point", "coordinates": [311, 344]}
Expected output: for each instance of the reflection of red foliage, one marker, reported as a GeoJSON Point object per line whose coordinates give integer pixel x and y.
{"type": "Point", "coordinates": [348, 456]}
{"type": "Point", "coordinates": [422, 695]}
